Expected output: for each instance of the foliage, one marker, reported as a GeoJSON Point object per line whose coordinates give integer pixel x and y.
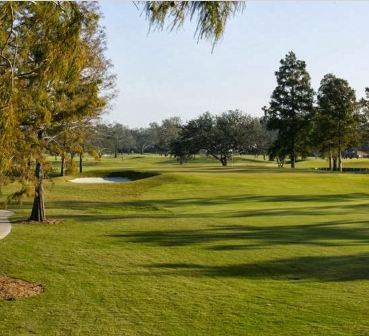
{"type": "Point", "coordinates": [290, 109]}
{"type": "Point", "coordinates": [219, 136]}
{"type": "Point", "coordinates": [337, 119]}
{"type": "Point", "coordinates": [55, 76]}
{"type": "Point", "coordinates": [211, 16]}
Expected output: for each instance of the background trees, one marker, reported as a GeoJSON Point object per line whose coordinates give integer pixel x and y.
{"type": "Point", "coordinates": [220, 136]}
{"type": "Point", "coordinates": [290, 108]}
{"type": "Point", "coordinates": [168, 132]}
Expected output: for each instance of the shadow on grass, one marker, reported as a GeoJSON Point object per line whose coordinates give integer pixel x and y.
{"type": "Point", "coordinates": [176, 208]}
{"type": "Point", "coordinates": [323, 268]}
{"type": "Point", "coordinates": [223, 200]}
{"type": "Point", "coordinates": [238, 237]}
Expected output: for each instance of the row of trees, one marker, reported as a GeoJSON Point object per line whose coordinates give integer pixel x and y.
{"type": "Point", "coordinates": [117, 138]}
{"type": "Point", "coordinates": [329, 121]}
{"type": "Point", "coordinates": [219, 136]}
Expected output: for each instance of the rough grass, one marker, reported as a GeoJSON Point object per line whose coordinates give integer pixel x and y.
{"type": "Point", "coordinates": [195, 250]}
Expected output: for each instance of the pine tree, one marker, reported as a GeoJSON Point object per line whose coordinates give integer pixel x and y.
{"type": "Point", "coordinates": [291, 107]}
{"type": "Point", "coordinates": [337, 117]}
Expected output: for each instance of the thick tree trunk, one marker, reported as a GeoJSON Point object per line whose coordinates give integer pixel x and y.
{"type": "Point", "coordinates": [80, 162]}
{"type": "Point", "coordinates": [38, 208]}
{"type": "Point", "coordinates": [224, 161]}
{"type": "Point", "coordinates": [339, 158]}
{"type": "Point", "coordinates": [62, 165]}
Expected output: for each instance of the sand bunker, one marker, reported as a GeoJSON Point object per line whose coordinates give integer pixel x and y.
{"type": "Point", "coordinates": [100, 180]}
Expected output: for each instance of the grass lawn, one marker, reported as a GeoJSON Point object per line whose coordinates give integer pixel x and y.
{"type": "Point", "coordinates": [195, 250]}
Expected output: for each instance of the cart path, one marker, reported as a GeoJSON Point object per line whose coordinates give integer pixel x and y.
{"type": "Point", "coordinates": [5, 226]}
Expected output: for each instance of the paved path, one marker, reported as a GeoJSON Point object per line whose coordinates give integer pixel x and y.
{"type": "Point", "coordinates": [5, 226]}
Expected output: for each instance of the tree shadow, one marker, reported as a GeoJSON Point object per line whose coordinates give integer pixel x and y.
{"type": "Point", "coordinates": [219, 200]}
{"type": "Point", "coordinates": [237, 237]}
{"type": "Point", "coordinates": [181, 208]}
{"type": "Point", "coordinates": [321, 268]}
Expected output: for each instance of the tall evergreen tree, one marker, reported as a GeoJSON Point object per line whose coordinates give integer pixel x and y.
{"type": "Point", "coordinates": [291, 106]}
{"type": "Point", "coordinates": [337, 116]}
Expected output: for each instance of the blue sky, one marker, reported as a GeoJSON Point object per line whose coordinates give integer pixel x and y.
{"type": "Point", "coordinates": [164, 74]}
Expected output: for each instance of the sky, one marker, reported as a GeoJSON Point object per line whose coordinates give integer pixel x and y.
{"type": "Point", "coordinates": [165, 74]}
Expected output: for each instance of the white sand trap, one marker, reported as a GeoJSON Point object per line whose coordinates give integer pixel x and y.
{"type": "Point", "coordinates": [100, 180]}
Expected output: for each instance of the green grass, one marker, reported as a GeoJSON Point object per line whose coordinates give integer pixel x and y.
{"type": "Point", "coordinates": [195, 250]}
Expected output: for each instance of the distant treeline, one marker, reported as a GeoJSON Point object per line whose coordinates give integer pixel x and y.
{"type": "Point", "coordinates": [218, 136]}
{"type": "Point", "coordinates": [331, 123]}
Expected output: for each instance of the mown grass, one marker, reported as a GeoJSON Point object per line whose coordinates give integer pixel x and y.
{"type": "Point", "coordinates": [195, 250]}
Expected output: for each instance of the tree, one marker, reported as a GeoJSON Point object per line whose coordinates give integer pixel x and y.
{"type": "Point", "coordinates": [220, 136]}
{"type": "Point", "coordinates": [168, 132]}
{"type": "Point", "coordinates": [143, 139]}
{"type": "Point", "coordinates": [291, 106]}
{"type": "Point", "coordinates": [259, 139]}
{"type": "Point", "coordinates": [337, 119]}
{"type": "Point", "coordinates": [52, 82]}
{"type": "Point", "coordinates": [364, 118]}
{"type": "Point", "coordinates": [182, 149]}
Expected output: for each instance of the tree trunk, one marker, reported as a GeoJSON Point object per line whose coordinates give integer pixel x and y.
{"type": "Point", "coordinates": [80, 162]}
{"type": "Point", "coordinates": [224, 161]}
{"type": "Point", "coordinates": [38, 208]}
{"type": "Point", "coordinates": [62, 165]}
{"type": "Point", "coordinates": [334, 163]}
{"type": "Point", "coordinates": [339, 158]}
{"type": "Point", "coordinates": [293, 160]}
{"type": "Point", "coordinates": [330, 160]}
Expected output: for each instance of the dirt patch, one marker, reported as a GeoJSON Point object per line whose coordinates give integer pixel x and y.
{"type": "Point", "coordinates": [11, 288]}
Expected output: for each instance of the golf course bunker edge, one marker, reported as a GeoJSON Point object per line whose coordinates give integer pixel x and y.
{"type": "Point", "coordinates": [89, 180]}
